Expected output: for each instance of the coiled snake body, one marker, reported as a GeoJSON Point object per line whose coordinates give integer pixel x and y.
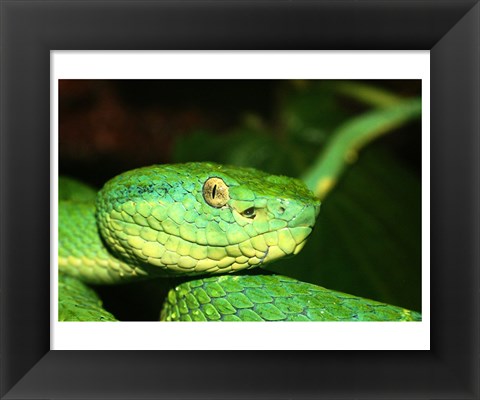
{"type": "Point", "coordinates": [199, 219]}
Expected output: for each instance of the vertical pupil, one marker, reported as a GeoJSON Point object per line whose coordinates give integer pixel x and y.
{"type": "Point", "coordinates": [214, 190]}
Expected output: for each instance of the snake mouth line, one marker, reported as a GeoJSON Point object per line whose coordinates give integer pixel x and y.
{"type": "Point", "coordinates": [206, 244]}
{"type": "Point", "coordinates": [264, 255]}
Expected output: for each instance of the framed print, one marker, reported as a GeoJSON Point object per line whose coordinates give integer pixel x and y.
{"type": "Point", "coordinates": [216, 80]}
{"type": "Point", "coordinates": [68, 89]}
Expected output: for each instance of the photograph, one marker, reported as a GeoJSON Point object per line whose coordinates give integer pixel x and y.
{"type": "Point", "coordinates": [239, 200]}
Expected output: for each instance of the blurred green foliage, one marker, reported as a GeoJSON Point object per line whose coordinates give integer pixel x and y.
{"type": "Point", "coordinates": [367, 241]}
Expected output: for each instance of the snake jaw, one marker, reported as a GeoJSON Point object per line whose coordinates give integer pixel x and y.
{"type": "Point", "coordinates": [300, 246]}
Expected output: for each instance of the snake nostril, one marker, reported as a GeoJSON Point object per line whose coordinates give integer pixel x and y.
{"type": "Point", "coordinates": [281, 210]}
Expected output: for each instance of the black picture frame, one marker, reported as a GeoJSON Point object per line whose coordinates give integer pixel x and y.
{"type": "Point", "coordinates": [31, 29]}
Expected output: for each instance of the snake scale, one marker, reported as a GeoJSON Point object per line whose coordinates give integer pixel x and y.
{"type": "Point", "coordinates": [208, 221]}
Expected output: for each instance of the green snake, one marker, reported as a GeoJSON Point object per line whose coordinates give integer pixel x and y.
{"type": "Point", "coordinates": [206, 221]}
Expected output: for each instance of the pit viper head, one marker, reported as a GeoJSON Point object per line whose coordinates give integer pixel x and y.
{"type": "Point", "coordinates": [200, 218]}
{"type": "Point", "coordinates": [184, 219]}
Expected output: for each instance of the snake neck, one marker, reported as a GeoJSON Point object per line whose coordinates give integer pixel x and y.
{"type": "Point", "coordinates": [82, 253]}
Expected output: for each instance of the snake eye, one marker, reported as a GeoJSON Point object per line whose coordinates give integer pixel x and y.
{"type": "Point", "coordinates": [215, 192]}
{"type": "Point", "coordinates": [249, 212]}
